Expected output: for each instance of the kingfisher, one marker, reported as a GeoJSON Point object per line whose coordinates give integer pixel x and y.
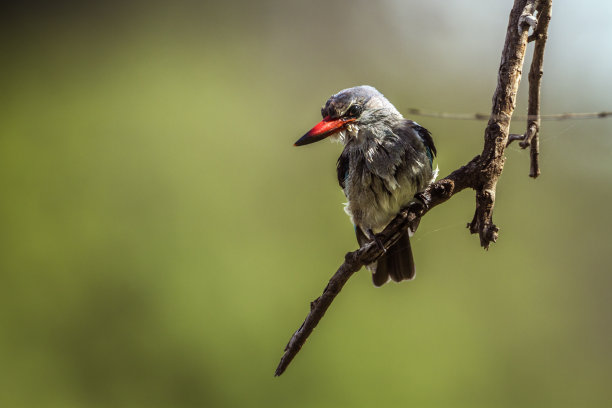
{"type": "Point", "coordinates": [386, 160]}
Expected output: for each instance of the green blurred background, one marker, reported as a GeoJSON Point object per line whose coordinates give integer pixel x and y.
{"type": "Point", "coordinates": [161, 238]}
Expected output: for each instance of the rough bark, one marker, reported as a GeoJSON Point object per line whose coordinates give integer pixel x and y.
{"type": "Point", "coordinates": [531, 135]}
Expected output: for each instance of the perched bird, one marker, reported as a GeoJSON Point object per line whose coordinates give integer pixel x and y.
{"type": "Point", "coordinates": [386, 160]}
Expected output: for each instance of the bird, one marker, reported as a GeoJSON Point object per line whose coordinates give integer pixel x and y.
{"type": "Point", "coordinates": [386, 160]}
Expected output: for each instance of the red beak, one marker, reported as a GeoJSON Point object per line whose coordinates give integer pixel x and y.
{"type": "Point", "coordinates": [323, 129]}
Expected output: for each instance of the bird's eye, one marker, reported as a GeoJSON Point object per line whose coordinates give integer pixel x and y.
{"type": "Point", "coordinates": [354, 111]}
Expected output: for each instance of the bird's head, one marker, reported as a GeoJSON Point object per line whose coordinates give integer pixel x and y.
{"type": "Point", "coordinates": [350, 110]}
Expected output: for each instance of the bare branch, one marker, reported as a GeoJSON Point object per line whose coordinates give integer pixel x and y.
{"type": "Point", "coordinates": [513, 136]}
{"type": "Point", "coordinates": [480, 174]}
{"type": "Point", "coordinates": [535, 77]}
{"type": "Point", "coordinates": [492, 159]}
{"type": "Point", "coordinates": [435, 194]}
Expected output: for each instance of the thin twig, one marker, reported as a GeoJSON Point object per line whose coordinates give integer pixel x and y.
{"type": "Point", "coordinates": [513, 136]}
{"type": "Point", "coordinates": [535, 78]}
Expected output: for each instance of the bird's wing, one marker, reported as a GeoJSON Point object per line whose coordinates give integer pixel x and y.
{"type": "Point", "coordinates": [342, 168]}
{"type": "Point", "coordinates": [425, 136]}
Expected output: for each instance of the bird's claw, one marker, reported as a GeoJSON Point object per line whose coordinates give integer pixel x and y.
{"type": "Point", "coordinates": [378, 242]}
{"type": "Point", "coordinates": [421, 198]}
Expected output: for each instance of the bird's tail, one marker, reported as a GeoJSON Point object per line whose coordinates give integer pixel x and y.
{"type": "Point", "coordinates": [396, 264]}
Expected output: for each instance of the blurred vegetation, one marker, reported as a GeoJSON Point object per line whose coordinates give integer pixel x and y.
{"type": "Point", "coordinates": [161, 238]}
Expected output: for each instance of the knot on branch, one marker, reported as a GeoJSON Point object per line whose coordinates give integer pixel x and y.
{"type": "Point", "coordinates": [493, 128]}
{"type": "Point", "coordinates": [443, 188]}
{"type": "Point", "coordinates": [485, 198]}
{"type": "Point", "coordinates": [526, 138]}
{"type": "Point", "coordinates": [535, 74]}
{"type": "Point", "coordinates": [482, 223]}
{"type": "Point", "coordinates": [527, 20]}
{"type": "Point", "coordinates": [489, 234]}
{"type": "Point", "coordinates": [532, 130]}
{"type": "Point", "coordinates": [536, 37]}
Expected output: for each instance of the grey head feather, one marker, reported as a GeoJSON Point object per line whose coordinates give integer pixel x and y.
{"type": "Point", "coordinates": [374, 106]}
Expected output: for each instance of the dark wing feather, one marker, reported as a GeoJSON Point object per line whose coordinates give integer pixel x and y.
{"type": "Point", "coordinates": [342, 168]}
{"type": "Point", "coordinates": [427, 141]}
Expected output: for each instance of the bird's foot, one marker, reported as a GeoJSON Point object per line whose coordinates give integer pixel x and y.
{"type": "Point", "coordinates": [378, 242]}
{"type": "Point", "coordinates": [421, 198]}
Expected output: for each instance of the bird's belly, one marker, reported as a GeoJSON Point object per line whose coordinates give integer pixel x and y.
{"type": "Point", "coordinates": [373, 205]}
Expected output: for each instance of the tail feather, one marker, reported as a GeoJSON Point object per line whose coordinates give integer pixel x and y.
{"type": "Point", "coordinates": [397, 263]}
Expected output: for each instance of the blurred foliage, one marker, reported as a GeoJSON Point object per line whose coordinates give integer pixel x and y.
{"type": "Point", "coordinates": [161, 238]}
